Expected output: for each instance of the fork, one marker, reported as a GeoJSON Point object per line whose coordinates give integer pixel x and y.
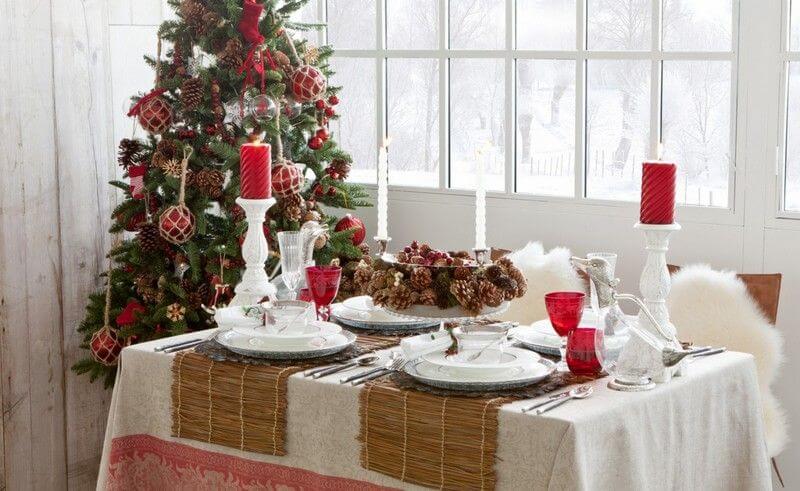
{"type": "Point", "coordinates": [395, 366]}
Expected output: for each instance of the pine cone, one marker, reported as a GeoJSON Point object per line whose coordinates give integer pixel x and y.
{"type": "Point", "coordinates": [209, 182]}
{"type": "Point", "coordinates": [130, 152]}
{"type": "Point", "coordinates": [381, 297]}
{"type": "Point", "coordinates": [312, 215]}
{"type": "Point", "coordinates": [237, 213]}
{"type": "Point", "coordinates": [505, 283]}
{"type": "Point", "coordinates": [211, 20]}
{"type": "Point", "coordinates": [282, 59]}
{"type": "Point", "coordinates": [342, 167]}
{"type": "Point", "coordinates": [191, 93]}
{"type": "Point", "coordinates": [462, 273]}
{"type": "Point", "coordinates": [377, 282]}
{"type": "Point", "coordinates": [400, 297]}
{"type": "Point", "coordinates": [149, 238]}
{"type": "Point", "coordinates": [522, 284]}
{"type": "Point", "coordinates": [489, 294]}
{"type": "Point", "coordinates": [364, 249]}
{"type": "Point", "coordinates": [427, 297]}
{"type": "Point", "coordinates": [421, 278]}
{"type": "Point", "coordinates": [192, 12]}
{"type": "Point", "coordinates": [362, 277]}
{"type": "Point", "coordinates": [466, 294]}
{"type": "Point", "coordinates": [494, 272]}
{"type": "Point", "coordinates": [232, 55]}
{"type": "Point", "coordinates": [293, 213]}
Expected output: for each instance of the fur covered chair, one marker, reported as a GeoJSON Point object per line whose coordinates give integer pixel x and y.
{"type": "Point", "coordinates": [714, 307]}
{"type": "Point", "coordinates": [545, 272]}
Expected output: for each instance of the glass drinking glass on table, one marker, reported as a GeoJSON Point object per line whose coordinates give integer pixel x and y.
{"type": "Point", "coordinates": [581, 350]}
{"type": "Point", "coordinates": [565, 310]}
{"type": "Point", "coordinates": [611, 257]}
{"type": "Point", "coordinates": [291, 248]}
{"type": "Point", "coordinates": [323, 285]}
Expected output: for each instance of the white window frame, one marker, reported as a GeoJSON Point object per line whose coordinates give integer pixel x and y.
{"type": "Point", "coordinates": [732, 214]}
{"type": "Point", "coordinates": [783, 216]}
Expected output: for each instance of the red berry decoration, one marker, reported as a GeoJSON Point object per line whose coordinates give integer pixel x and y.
{"type": "Point", "coordinates": [105, 346]}
{"type": "Point", "coordinates": [286, 179]}
{"type": "Point", "coordinates": [318, 190]}
{"type": "Point", "coordinates": [210, 130]}
{"type": "Point", "coordinates": [349, 221]}
{"type": "Point", "coordinates": [333, 100]}
{"type": "Point", "coordinates": [176, 224]}
{"type": "Point", "coordinates": [186, 134]}
{"type": "Point", "coordinates": [155, 115]}
{"type": "Point", "coordinates": [323, 134]}
{"type": "Point", "coordinates": [330, 112]}
{"type": "Point", "coordinates": [315, 143]}
{"type": "Point", "coordinates": [320, 104]}
{"type": "Point", "coordinates": [308, 84]}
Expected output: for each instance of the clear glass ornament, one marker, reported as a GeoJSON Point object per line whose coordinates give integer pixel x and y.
{"type": "Point", "coordinates": [262, 108]}
{"type": "Point", "coordinates": [292, 108]}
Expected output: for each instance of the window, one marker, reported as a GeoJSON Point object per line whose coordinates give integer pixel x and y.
{"type": "Point", "coordinates": [790, 201]}
{"type": "Point", "coordinates": [569, 95]}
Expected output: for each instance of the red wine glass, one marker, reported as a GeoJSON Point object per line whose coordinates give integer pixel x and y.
{"type": "Point", "coordinates": [323, 284]}
{"type": "Point", "coordinates": [581, 352]}
{"type": "Point", "coordinates": [565, 310]}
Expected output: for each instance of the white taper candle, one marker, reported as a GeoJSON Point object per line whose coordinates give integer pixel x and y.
{"type": "Point", "coordinates": [480, 202]}
{"type": "Point", "coordinates": [383, 191]}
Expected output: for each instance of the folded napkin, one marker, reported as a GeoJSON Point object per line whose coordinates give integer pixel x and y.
{"type": "Point", "coordinates": [425, 344]}
{"type": "Point", "coordinates": [244, 316]}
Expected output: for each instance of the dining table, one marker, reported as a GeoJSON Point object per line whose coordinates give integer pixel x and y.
{"type": "Point", "coordinates": [702, 430]}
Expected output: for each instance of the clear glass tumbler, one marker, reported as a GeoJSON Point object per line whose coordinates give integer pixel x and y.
{"type": "Point", "coordinates": [291, 249]}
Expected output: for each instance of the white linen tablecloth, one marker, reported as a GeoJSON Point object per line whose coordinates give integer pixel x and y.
{"type": "Point", "coordinates": [700, 431]}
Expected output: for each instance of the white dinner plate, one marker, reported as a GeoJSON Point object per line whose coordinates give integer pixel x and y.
{"type": "Point", "coordinates": [257, 347]}
{"type": "Point", "coordinates": [361, 313]}
{"type": "Point", "coordinates": [313, 330]}
{"type": "Point", "coordinates": [519, 376]}
{"type": "Point", "coordinates": [510, 359]}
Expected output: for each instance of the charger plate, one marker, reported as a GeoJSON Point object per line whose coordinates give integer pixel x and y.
{"type": "Point", "coordinates": [360, 313]}
{"type": "Point", "coordinates": [241, 344]}
{"type": "Point", "coordinates": [427, 373]}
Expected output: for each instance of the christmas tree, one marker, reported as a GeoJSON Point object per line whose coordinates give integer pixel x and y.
{"type": "Point", "coordinates": [231, 69]}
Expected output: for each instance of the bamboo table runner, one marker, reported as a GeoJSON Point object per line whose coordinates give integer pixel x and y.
{"type": "Point", "coordinates": [240, 405]}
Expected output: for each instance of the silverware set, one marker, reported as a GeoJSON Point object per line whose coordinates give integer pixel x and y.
{"type": "Point", "coordinates": [174, 347]}
{"type": "Point", "coordinates": [396, 363]}
{"type": "Point", "coordinates": [324, 371]}
{"type": "Point", "coordinates": [555, 400]}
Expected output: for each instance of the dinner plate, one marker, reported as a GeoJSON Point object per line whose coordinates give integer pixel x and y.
{"type": "Point", "coordinates": [359, 312]}
{"type": "Point", "coordinates": [320, 346]}
{"type": "Point", "coordinates": [457, 312]}
{"type": "Point", "coordinates": [542, 338]}
{"type": "Point", "coordinates": [313, 330]}
{"type": "Point", "coordinates": [519, 376]}
{"type": "Point", "coordinates": [509, 359]}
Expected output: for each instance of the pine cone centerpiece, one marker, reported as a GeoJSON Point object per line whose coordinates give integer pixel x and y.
{"type": "Point", "coordinates": [209, 182]}
{"type": "Point", "coordinates": [232, 56]}
{"type": "Point", "coordinates": [191, 93]}
{"type": "Point", "coordinates": [149, 238]}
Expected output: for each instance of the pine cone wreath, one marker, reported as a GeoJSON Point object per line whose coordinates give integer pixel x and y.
{"type": "Point", "coordinates": [130, 152]}
{"type": "Point", "coordinates": [232, 55]}
{"type": "Point", "coordinates": [427, 297]}
{"type": "Point", "coordinates": [209, 182]}
{"type": "Point", "coordinates": [400, 297]}
{"type": "Point", "coordinates": [149, 238]}
{"type": "Point", "coordinates": [191, 93]}
{"type": "Point", "coordinates": [489, 294]}
{"type": "Point", "coordinates": [421, 278]}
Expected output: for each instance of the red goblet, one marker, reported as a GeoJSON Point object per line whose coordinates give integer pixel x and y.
{"type": "Point", "coordinates": [305, 295]}
{"type": "Point", "coordinates": [581, 352]}
{"type": "Point", "coordinates": [565, 310]}
{"type": "Point", "coordinates": [323, 284]}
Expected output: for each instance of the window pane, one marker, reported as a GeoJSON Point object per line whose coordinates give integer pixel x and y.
{"type": "Point", "coordinates": [697, 26]}
{"type": "Point", "coordinates": [546, 127]}
{"type": "Point", "coordinates": [477, 116]}
{"type": "Point", "coordinates": [696, 128]}
{"type": "Point", "coordinates": [619, 24]}
{"type": "Point", "coordinates": [794, 42]}
{"type": "Point", "coordinates": [413, 119]}
{"type": "Point", "coordinates": [355, 128]}
{"type": "Point", "coordinates": [351, 24]}
{"type": "Point", "coordinates": [792, 191]}
{"type": "Point", "coordinates": [477, 25]}
{"type": "Point", "coordinates": [617, 123]}
{"type": "Point", "coordinates": [412, 24]}
{"type": "Point", "coordinates": [546, 24]}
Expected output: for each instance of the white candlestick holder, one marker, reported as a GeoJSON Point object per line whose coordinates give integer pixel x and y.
{"type": "Point", "coordinates": [655, 285]}
{"type": "Point", "coordinates": [255, 283]}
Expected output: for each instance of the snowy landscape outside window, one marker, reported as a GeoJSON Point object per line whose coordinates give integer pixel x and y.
{"type": "Point", "coordinates": [572, 95]}
{"type": "Point", "coordinates": [791, 169]}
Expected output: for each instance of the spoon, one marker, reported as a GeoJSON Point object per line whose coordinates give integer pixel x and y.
{"type": "Point", "coordinates": [581, 392]}
{"type": "Point", "coordinates": [359, 362]}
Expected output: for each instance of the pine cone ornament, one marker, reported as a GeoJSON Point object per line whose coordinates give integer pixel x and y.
{"type": "Point", "coordinates": [282, 60]}
{"type": "Point", "coordinates": [130, 152]}
{"type": "Point", "coordinates": [191, 93]}
{"type": "Point", "coordinates": [465, 292]}
{"type": "Point", "coordinates": [421, 278]}
{"type": "Point", "coordinates": [364, 249]}
{"type": "Point", "coordinates": [427, 297]}
{"type": "Point", "coordinates": [489, 294]}
{"type": "Point", "coordinates": [192, 12]}
{"type": "Point", "coordinates": [176, 312]}
{"type": "Point", "coordinates": [400, 297]}
{"type": "Point", "coordinates": [293, 213]}
{"type": "Point", "coordinates": [211, 20]}
{"type": "Point", "coordinates": [232, 56]}
{"type": "Point", "coordinates": [341, 167]}
{"type": "Point", "coordinates": [209, 182]}
{"type": "Point", "coordinates": [462, 273]}
{"type": "Point", "coordinates": [149, 238]}
{"type": "Point", "coordinates": [237, 213]}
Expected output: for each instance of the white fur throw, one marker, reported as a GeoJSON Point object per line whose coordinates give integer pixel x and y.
{"type": "Point", "coordinates": [545, 272]}
{"type": "Point", "coordinates": [713, 308]}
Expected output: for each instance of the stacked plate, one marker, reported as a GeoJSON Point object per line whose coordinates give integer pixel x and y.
{"type": "Point", "coordinates": [542, 338]}
{"type": "Point", "coordinates": [511, 368]}
{"type": "Point", "coordinates": [361, 313]}
{"type": "Point", "coordinates": [319, 339]}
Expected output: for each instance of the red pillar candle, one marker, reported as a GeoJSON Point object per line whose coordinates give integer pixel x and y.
{"type": "Point", "coordinates": [254, 170]}
{"type": "Point", "coordinates": [658, 193]}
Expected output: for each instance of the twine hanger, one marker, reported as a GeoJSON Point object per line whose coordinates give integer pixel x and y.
{"type": "Point", "coordinates": [292, 48]}
{"type": "Point", "coordinates": [187, 152]}
{"type": "Point", "coordinates": [107, 309]}
{"type": "Point", "coordinates": [158, 60]}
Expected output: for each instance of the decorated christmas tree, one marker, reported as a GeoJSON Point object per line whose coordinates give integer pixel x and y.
{"type": "Point", "coordinates": [231, 69]}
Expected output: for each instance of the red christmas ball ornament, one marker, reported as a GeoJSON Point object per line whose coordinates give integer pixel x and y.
{"type": "Point", "coordinates": [349, 221]}
{"type": "Point", "coordinates": [315, 143]}
{"type": "Point", "coordinates": [323, 134]}
{"type": "Point", "coordinates": [308, 84]}
{"type": "Point", "coordinates": [105, 346]}
{"type": "Point", "coordinates": [333, 100]}
{"type": "Point", "coordinates": [186, 134]}
{"type": "Point", "coordinates": [176, 224]}
{"type": "Point", "coordinates": [320, 104]}
{"type": "Point", "coordinates": [318, 190]}
{"type": "Point", "coordinates": [329, 112]}
{"type": "Point", "coordinates": [155, 115]}
{"type": "Point", "coordinates": [286, 179]}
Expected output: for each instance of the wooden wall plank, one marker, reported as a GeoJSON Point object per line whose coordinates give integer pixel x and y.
{"type": "Point", "coordinates": [86, 160]}
{"type": "Point", "coordinates": [30, 264]}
